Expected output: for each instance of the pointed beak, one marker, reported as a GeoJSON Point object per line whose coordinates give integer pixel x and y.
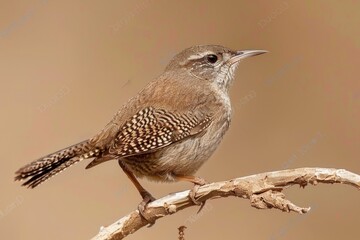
{"type": "Point", "coordinates": [244, 54]}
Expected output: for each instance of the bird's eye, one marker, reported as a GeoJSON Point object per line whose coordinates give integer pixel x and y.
{"type": "Point", "coordinates": [211, 58]}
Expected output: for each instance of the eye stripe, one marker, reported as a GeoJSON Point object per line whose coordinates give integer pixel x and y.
{"type": "Point", "coordinates": [199, 55]}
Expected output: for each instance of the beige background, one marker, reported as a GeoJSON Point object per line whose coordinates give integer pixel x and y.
{"type": "Point", "coordinates": [67, 66]}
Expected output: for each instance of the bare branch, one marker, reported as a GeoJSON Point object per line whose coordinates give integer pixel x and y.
{"type": "Point", "coordinates": [263, 190]}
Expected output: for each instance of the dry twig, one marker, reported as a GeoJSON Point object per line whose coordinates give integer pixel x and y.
{"type": "Point", "coordinates": [264, 191]}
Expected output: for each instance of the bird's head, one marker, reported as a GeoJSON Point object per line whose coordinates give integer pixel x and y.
{"type": "Point", "coordinates": [212, 63]}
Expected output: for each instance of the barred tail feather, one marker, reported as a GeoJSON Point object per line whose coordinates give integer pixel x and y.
{"type": "Point", "coordinates": [44, 168]}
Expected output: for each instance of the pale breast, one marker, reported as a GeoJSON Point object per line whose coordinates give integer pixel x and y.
{"type": "Point", "coordinates": [187, 156]}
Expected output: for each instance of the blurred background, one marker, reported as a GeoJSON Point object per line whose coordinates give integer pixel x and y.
{"type": "Point", "coordinates": [67, 66]}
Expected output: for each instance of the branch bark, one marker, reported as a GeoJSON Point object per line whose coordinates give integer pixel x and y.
{"type": "Point", "coordinates": [264, 191]}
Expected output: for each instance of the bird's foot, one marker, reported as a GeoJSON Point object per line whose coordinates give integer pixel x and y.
{"type": "Point", "coordinates": [147, 198]}
{"type": "Point", "coordinates": [198, 182]}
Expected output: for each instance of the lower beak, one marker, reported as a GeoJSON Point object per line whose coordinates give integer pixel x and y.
{"type": "Point", "coordinates": [246, 53]}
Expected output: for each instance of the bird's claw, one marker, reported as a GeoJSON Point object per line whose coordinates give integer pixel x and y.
{"type": "Point", "coordinates": [147, 198]}
{"type": "Point", "coordinates": [200, 182]}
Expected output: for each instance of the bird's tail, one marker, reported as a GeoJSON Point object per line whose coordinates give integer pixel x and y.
{"type": "Point", "coordinates": [44, 168]}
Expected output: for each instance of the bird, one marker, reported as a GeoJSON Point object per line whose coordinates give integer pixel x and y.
{"type": "Point", "coordinates": [167, 131]}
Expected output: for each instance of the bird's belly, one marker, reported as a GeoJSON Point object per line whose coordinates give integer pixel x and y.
{"type": "Point", "coordinates": [180, 159]}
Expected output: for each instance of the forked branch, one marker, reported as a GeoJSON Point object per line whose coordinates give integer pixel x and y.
{"type": "Point", "coordinates": [264, 191]}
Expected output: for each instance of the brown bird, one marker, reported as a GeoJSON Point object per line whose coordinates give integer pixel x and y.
{"type": "Point", "coordinates": [167, 131]}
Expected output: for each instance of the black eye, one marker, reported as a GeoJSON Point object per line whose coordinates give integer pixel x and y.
{"type": "Point", "coordinates": [211, 58]}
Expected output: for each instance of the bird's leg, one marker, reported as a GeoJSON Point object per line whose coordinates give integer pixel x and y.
{"type": "Point", "coordinates": [147, 197]}
{"type": "Point", "coordinates": [197, 181]}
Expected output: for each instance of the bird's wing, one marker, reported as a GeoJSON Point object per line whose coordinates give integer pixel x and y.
{"type": "Point", "coordinates": [152, 129]}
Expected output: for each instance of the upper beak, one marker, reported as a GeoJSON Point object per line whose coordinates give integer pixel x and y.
{"type": "Point", "coordinates": [246, 53]}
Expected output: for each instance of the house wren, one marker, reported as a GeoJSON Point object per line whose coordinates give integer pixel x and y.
{"type": "Point", "coordinates": [167, 131]}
